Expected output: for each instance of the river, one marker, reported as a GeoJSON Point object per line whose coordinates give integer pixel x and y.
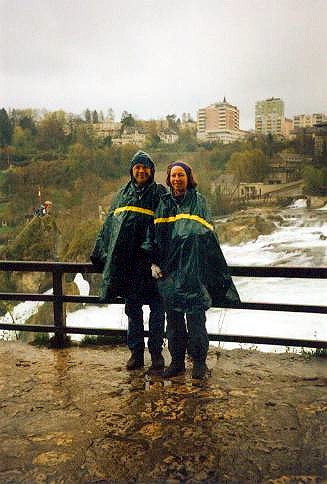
{"type": "Point", "coordinates": [299, 240]}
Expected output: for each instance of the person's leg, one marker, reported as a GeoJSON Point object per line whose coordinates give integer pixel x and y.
{"type": "Point", "coordinates": [156, 333]}
{"type": "Point", "coordinates": [198, 342]}
{"type": "Point", "coordinates": [135, 334]}
{"type": "Point", "coordinates": [177, 341]}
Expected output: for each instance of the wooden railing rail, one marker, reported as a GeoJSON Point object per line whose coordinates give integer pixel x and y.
{"type": "Point", "coordinates": [58, 298]}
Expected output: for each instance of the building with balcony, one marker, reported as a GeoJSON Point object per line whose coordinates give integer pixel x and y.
{"type": "Point", "coordinates": [308, 120]}
{"type": "Point", "coordinates": [270, 118]}
{"type": "Point", "coordinates": [219, 122]}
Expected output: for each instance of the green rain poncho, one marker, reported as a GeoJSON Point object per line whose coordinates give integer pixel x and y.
{"type": "Point", "coordinates": [117, 251]}
{"type": "Point", "coordinates": [186, 248]}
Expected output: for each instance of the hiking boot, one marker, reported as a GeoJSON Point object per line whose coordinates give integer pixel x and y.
{"type": "Point", "coordinates": [136, 360]}
{"type": "Point", "coordinates": [157, 362]}
{"type": "Point", "coordinates": [174, 369]}
{"type": "Point", "coordinates": [199, 370]}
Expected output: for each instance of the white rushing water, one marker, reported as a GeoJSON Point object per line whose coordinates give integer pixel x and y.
{"type": "Point", "coordinates": [299, 240]}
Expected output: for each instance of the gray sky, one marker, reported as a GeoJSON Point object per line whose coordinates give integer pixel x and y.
{"type": "Point", "coordinates": [155, 57]}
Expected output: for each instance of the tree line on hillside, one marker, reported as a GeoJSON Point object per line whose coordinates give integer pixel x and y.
{"type": "Point", "coordinates": [30, 135]}
{"type": "Point", "coordinates": [60, 152]}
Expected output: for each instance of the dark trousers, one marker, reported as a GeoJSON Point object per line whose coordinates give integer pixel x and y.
{"type": "Point", "coordinates": [194, 338]}
{"type": "Point", "coordinates": [135, 332]}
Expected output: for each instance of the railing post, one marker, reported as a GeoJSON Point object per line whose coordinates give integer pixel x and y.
{"type": "Point", "coordinates": [60, 339]}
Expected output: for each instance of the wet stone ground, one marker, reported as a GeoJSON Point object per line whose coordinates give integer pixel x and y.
{"type": "Point", "coordinates": [77, 416]}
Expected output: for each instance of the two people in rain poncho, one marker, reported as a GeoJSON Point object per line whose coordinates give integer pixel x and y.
{"type": "Point", "coordinates": [177, 243]}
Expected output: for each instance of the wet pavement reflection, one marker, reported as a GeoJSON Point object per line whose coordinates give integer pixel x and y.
{"type": "Point", "coordinates": [77, 415]}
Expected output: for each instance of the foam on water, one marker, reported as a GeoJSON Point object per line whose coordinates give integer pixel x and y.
{"type": "Point", "coordinates": [21, 313]}
{"type": "Point", "coordinates": [300, 203]}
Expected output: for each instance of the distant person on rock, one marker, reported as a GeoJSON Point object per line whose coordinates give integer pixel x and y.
{"type": "Point", "coordinates": [43, 209]}
{"type": "Point", "coordinates": [190, 268]}
{"type": "Point", "coordinates": [126, 268]}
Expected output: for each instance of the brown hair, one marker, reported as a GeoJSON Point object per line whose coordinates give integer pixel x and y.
{"type": "Point", "coordinates": [191, 182]}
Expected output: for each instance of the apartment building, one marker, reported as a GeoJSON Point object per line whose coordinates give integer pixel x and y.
{"type": "Point", "coordinates": [219, 122]}
{"type": "Point", "coordinates": [270, 118]}
{"type": "Point", "coordinates": [308, 120]}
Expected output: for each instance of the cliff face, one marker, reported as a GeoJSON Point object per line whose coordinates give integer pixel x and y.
{"type": "Point", "coordinates": [37, 241]}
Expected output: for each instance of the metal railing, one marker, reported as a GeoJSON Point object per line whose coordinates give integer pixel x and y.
{"type": "Point", "coordinates": [58, 298]}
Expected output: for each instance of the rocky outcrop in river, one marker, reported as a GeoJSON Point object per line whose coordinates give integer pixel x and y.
{"type": "Point", "coordinates": [245, 226]}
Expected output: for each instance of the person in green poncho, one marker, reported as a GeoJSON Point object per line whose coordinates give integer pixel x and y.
{"type": "Point", "coordinates": [125, 266]}
{"type": "Point", "coordinates": [190, 268]}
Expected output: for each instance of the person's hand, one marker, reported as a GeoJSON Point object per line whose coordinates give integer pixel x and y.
{"type": "Point", "coordinates": [156, 271]}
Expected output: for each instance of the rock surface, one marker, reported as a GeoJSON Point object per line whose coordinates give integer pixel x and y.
{"type": "Point", "coordinates": [77, 416]}
{"type": "Point", "coordinates": [245, 226]}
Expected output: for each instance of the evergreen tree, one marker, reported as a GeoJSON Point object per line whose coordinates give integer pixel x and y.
{"type": "Point", "coordinates": [95, 117]}
{"type": "Point", "coordinates": [87, 115]}
{"type": "Point", "coordinates": [101, 117]}
{"type": "Point", "coordinates": [171, 119]}
{"type": "Point", "coordinates": [28, 123]}
{"type": "Point", "coordinates": [127, 120]}
{"type": "Point", "coordinates": [6, 128]}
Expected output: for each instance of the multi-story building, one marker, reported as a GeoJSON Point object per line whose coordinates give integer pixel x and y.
{"type": "Point", "coordinates": [313, 139]}
{"type": "Point", "coordinates": [288, 127]}
{"type": "Point", "coordinates": [226, 136]}
{"type": "Point", "coordinates": [105, 129]}
{"type": "Point", "coordinates": [270, 118]}
{"type": "Point", "coordinates": [286, 167]}
{"type": "Point", "coordinates": [133, 136]}
{"type": "Point", "coordinates": [186, 117]}
{"type": "Point", "coordinates": [308, 120]}
{"type": "Point", "coordinates": [168, 136]}
{"type": "Point", "coordinates": [219, 122]}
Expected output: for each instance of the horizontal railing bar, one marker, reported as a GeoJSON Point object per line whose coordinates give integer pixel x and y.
{"type": "Point", "coordinates": [244, 271]}
{"type": "Point", "coordinates": [28, 327]}
{"type": "Point", "coordinates": [287, 272]}
{"type": "Point", "coordinates": [268, 340]}
{"type": "Point", "coordinates": [22, 296]}
{"type": "Point", "coordinates": [43, 266]}
{"type": "Point", "coordinates": [292, 308]}
{"type": "Point", "coordinates": [256, 306]}
{"type": "Point", "coordinates": [90, 299]}
{"type": "Point", "coordinates": [28, 296]}
{"type": "Point", "coordinates": [232, 338]}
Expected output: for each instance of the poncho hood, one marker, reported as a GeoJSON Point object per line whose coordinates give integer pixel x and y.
{"type": "Point", "coordinates": [141, 157]}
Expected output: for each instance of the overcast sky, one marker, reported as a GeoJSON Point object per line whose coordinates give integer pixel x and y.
{"type": "Point", "coordinates": [155, 57]}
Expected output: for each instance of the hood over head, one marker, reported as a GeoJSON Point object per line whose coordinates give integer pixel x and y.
{"type": "Point", "coordinates": [144, 159]}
